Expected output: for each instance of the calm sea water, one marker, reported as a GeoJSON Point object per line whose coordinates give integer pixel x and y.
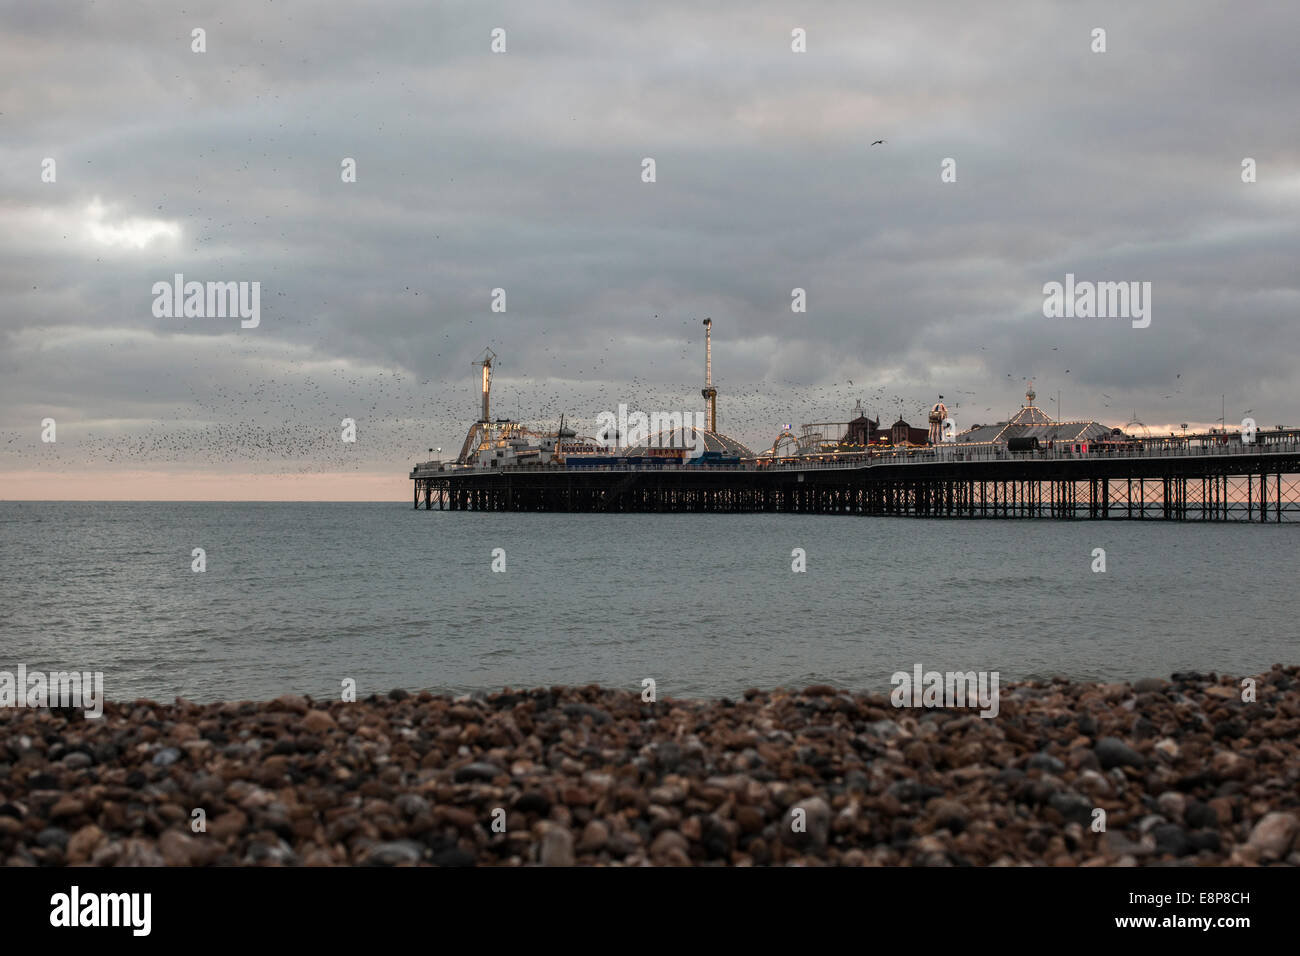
{"type": "Point", "coordinates": [297, 597]}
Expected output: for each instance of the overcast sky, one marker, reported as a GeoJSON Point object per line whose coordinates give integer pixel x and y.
{"type": "Point", "coordinates": [522, 170]}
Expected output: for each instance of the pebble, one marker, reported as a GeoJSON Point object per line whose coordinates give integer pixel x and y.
{"type": "Point", "coordinates": [1045, 761]}
{"type": "Point", "coordinates": [1172, 804]}
{"type": "Point", "coordinates": [397, 853]}
{"type": "Point", "coordinates": [84, 843]}
{"type": "Point", "coordinates": [1274, 834]}
{"type": "Point", "coordinates": [557, 846]}
{"type": "Point", "coordinates": [477, 771]}
{"type": "Point", "coordinates": [594, 837]}
{"type": "Point", "coordinates": [948, 815]}
{"type": "Point", "coordinates": [816, 824]}
{"type": "Point", "coordinates": [317, 722]}
{"type": "Point", "coordinates": [227, 825]}
{"type": "Point", "coordinates": [1073, 807]}
{"type": "Point", "coordinates": [1150, 685]}
{"type": "Point", "coordinates": [1172, 839]}
{"type": "Point", "coordinates": [166, 757]}
{"type": "Point", "coordinates": [1113, 752]}
{"type": "Point", "coordinates": [52, 837]}
{"type": "Point", "coordinates": [178, 849]}
{"type": "Point", "coordinates": [67, 807]}
{"type": "Point", "coordinates": [668, 847]}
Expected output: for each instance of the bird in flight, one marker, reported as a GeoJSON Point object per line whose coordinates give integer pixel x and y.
{"type": "Point", "coordinates": [877, 142]}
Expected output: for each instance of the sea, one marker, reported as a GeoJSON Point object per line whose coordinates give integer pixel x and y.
{"type": "Point", "coordinates": [300, 598]}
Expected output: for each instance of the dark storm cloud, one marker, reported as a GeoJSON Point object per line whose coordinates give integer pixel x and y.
{"type": "Point", "coordinates": [522, 171]}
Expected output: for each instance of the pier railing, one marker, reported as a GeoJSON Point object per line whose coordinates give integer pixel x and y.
{"type": "Point", "coordinates": [1146, 450]}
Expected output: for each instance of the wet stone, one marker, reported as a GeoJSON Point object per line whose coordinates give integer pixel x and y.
{"type": "Point", "coordinates": [477, 771]}
{"type": "Point", "coordinates": [166, 757]}
{"type": "Point", "coordinates": [1273, 835]}
{"type": "Point", "coordinates": [1172, 839]}
{"type": "Point", "coordinates": [1113, 752]}
{"type": "Point", "coordinates": [1073, 807]}
{"type": "Point", "coordinates": [1044, 761]}
{"type": "Point", "coordinates": [395, 854]}
{"type": "Point", "coordinates": [533, 803]}
{"type": "Point", "coordinates": [556, 847]}
{"type": "Point", "coordinates": [53, 837]}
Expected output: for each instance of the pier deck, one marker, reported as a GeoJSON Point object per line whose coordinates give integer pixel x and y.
{"type": "Point", "coordinates": [1160, 481]}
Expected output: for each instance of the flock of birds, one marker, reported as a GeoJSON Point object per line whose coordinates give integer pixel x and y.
{"type": "Point", "coordinates": [286, 415]}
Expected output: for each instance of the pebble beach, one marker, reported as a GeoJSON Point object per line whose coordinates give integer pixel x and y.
{"type": "Point", "coordinates": [1184, 770]}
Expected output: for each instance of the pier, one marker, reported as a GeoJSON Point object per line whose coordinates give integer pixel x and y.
{"type": "Point", "coordinates": [1200, 478]}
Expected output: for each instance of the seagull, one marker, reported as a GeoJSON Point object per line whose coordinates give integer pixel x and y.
{"type": "Point", "coordinates": [877, 142]}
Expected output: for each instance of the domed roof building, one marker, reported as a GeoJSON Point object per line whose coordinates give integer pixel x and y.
{"type": "Point", "coordinates": [685, 437]}
{"type": "Point", "coordinates": [1032, 422]}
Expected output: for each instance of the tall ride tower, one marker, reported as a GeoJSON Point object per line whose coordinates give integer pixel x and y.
{"type": "Point", "coordinates": [486, 362]}
{"type": "Point", "coordinates": [709, 392]}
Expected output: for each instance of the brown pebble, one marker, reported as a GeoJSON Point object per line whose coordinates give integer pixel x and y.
{"type": "Point", "coordinates": [83, 843]}
{"type": "Point", "coordinates": [67, 807]}
{"type": "Point", "coordinates": [227, 825]}
{"type": "Point", "coordinates": [317, 722]}
{"type": "Point", "coordinates": [594, 837]}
